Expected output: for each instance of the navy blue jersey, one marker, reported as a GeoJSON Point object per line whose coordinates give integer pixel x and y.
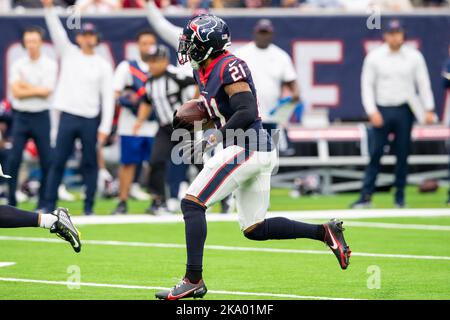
{"type": "Point", "coordinates": [446, 74]}
{"type": "Point", "coordinates": [222, 71]}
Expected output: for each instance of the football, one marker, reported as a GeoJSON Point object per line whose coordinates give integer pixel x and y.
{"type": "Point", "coordinates": [193, 110]}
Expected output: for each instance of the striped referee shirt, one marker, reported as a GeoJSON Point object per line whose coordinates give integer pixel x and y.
{"type": "Point", "coordinates": [166, 93]}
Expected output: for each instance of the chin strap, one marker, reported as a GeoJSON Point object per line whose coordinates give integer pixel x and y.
{"type": "Point", "coordinates": [196, 64]}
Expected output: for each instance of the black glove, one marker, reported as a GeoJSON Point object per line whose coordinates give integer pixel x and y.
{"type": "Point", "coordinates": [192, 151]}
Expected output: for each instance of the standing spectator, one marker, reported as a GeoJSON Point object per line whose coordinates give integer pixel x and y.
{"type": "Point", "coordinates": [98, 6]}
{"type": "Point", "coordinates": [5, 5]}
{"type": "Point", "coordinates": [84, 90]}
{"type": "Point", "coordinates": [32, 81]}
{"type": "Point", "coordinates": [272, 70]}
{"type": "Point", "coordinates": [5, 144]}
{"type": "Point", "coordinates": [163, 92]}
{"type": "Point", "coordinates": [129, 81]}
{"type": "Point", "coordinates": [391, 73]}
{"type": "Point", "coordinates": [446, 83]}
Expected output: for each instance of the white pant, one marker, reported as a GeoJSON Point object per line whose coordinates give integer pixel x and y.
{"type": "Point", "coordinates": [247, 173]}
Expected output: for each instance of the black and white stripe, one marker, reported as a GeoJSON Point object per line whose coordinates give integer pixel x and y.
{"type": "Point", "coordinates": [166, 93]}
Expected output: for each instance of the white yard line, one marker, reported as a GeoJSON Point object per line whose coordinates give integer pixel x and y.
{"type": "Point", "coordinates": [123, 286]}
{"type": "Point", "coordinates": [322, 214]}
{"type": "Point", "coordinates": [222, 248]}
{"type": "Point", "coordinates": [6, 264]}
{"type": "Point", "coordinates": [405, 226]}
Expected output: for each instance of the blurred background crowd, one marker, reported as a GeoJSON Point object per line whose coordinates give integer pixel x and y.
{"type": "Point", "coordinates": [107, 6]}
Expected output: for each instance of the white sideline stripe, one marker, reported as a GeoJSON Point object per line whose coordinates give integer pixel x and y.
{"type": "Point", "coordinates": [223, 248]}
{"type": "Point", "coordinates": [396, 226]}
{"type": "Point", "coordinates": [6, 264]}
{"type": "Point", "coordinates": [322, 214]}
{"type": "Point", "coordinates": [124, 286]}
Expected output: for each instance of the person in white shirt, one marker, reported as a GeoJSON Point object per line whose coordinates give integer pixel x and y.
{"type": "Point", "coordinates": [129, 85]}
{"type": "Point", "coordinates": [391, 75]}
{"type": "Point", "coordinates": [272, 70]}
{"type": "Point", "coordinates": [84, 91]}
{"type": "Point", "coordinates": [32, 81]}
{"type": "Point", "coordinates": [98, 6]}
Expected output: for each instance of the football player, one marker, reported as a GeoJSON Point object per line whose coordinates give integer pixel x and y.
{"type": "Point", "coordinates": [245, 164]}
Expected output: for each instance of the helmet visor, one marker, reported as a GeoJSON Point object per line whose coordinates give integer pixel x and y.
{"type": "Point", "coordinates": [184, 47]}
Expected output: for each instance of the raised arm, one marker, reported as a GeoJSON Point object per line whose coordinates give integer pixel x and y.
{"type": "Point", "coordinates": [166, 30]}
{"type": "Point", "coordinates": [56, 29]}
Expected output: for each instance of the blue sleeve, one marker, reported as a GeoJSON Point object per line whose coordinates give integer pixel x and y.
{"type": "Point", "coordinates": [234, 70]}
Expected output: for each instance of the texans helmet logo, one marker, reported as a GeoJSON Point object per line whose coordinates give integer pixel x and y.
{"type": "Point", "coordinates": [203, 28]}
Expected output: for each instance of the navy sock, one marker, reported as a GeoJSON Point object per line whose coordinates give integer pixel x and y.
{"type": "Point", "coordinates": [283, 228]}
{"type": "Point", "coordinates": [195, 228]}
{"type": "Point", "coordinates": [11, 217]}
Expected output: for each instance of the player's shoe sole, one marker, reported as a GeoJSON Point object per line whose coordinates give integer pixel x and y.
{"type": "Point", "coordinates": [65, 229]}
{"type": "Point", "coordinates": [334, 238]}
{"type": "Point", "coordinates": [184, 289]}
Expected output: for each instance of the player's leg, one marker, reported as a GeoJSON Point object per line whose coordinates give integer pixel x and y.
{"type": "Point", "coordinates": [253, 198]}
{"type": "Point", "coordinates": [41, 137]}
{"type": "Point", "coordinates": [219, 177]}
{"type": "Point", "coordinates": [176, 175]}
{"type": "Point", "coordinates": [20, 134]}
{"type": "Point", "coordinates": [58, 222]}
{"type": "Point", "coordinates": [252, 204]}
{"type": "Point", "coordinates": [161, 151]}
{"type": "Point", "coordinates": [376, 150]}
{"type": "Point", "coordinates": [127, 170]}
{"type": "Point", "coordinates": [64, 148]}
{"type": "Point", "coordinates": [89, 163]}
{"type": "Point", "coordinates": [402, 145]}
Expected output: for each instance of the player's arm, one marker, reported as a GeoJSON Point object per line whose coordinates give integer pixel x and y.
{"type": "Point", "coordinates": [166, 30]}
{"type": "Point", "coordinates": [293, 88]}
{"type": "Point", "coordinates": [22, 90]}
{"type": "Point", "coordinates": [144, 112]}
{"type": "Point", "coordinates": [56, 29]}
{"type": "Point", "coordinates": [290, 77]}
{"type": "Point", "coordinates": [424, 87]}
{"type": "Point", "coordinates": [368, 77]}
{"type": "Point", "coordinates": [244, 105]}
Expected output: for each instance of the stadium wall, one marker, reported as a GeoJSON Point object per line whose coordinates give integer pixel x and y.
{"type": "Point", "coordinates": [328, 50]}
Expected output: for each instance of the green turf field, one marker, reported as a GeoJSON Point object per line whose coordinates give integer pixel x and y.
{"type": "Point", "coordinates": [388, 262]}
{"type": "Point", "coordinates": [280, 201]}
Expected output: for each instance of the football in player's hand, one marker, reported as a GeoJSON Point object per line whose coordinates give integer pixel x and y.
{"type": "Point", "coordinates": [190, 112]}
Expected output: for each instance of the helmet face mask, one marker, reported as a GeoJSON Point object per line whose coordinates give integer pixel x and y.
{"type": "Point", "coordinates": [203, 35]}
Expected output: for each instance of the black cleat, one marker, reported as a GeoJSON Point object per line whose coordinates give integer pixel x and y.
{"type": "Point", "coordinates": [122, 208]}
{"type": "Point", "coordinates": [334, 238]}
{"type": "Point", "coordinates": [65, 229]}
{"type": "Point", "coordinates": [157, 208]}
{"type": "Point", "coordinates": [361, 204]}
{"type": "Point", "coordinates": [184, 289]}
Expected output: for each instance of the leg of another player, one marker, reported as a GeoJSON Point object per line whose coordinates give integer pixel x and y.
{"type": "Point", "coordinates": [58, 222]}
{"type": "Point", "coordinates": [11, 217]}
{"type": "Point", "coordinates": [126, 177]}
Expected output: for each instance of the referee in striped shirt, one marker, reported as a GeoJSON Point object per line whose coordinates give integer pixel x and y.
{"type": "Point", "coordinates": [166, 89]}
